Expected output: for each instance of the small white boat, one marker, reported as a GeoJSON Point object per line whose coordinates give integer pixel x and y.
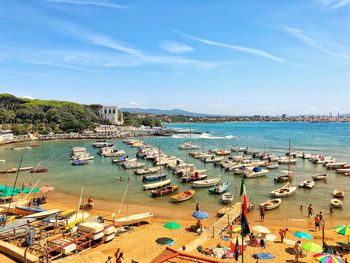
{"type": "Point", "coordinates": [156, 185]}
{"type": "Point", "coordinates": [286, 190]}
{"type": "Point", "coordinates": [307, 184]}
{"type": "Point", "coordinates": [227, 198]}
{"type": "Point", "coordinates": [287, 161]}
{"type": "Point", "coordinates": [43, 214]}
{"type": "Point", "coordinates": [188, 146]}
{"type": "Point", "coordinates": [336, 203]}
{"type": "Point", "coordinates": [133, 219]}
{"type": "Point", "coordinates": [147, 171]}
{"type": "Point", "coordinates": [343, 170]}
{"type": "Point", "coordinates": [271, 204]}
{"type": "Point", "coordinates": [256, 174]}
{"type": "Point", "coordinates": [2, 161]}
{"type": "Point", "coordinates": [338, 193]}
{"type": "Point", "coordinates": [335, 165]}
{"type": "Point", "coordinates": [319, 177]}
{"type": "Point", "coordinates": [272, 166]}
{"type": "Point", "coordinates": [214, 159]}
{"type": "Point", "coordinates": [205, 183]}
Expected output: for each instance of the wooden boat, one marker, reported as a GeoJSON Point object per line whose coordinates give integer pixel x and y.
{"type": "Point", "coordinates": [338, 193]}
{"type": "Point", "coordinates": [320, 177]}
{"type": "Point", "coordinates": [156, 185]}
{"type": "Point", "coordinates": [286, 190]}
{"type": "Point", "coordinates": [227, 198]}
{"type": "Point", "coordinates": [14, 225]}
{"type": "Point", "coordinates": [336, 203]}
{"type": "Point", "coordinates": [222, 153]}
{"type": "Point", "coordinates": [27, 210]}
{"type": "Point", "coordinates": [271, 204]}
{"type": "Point", "coordinates": [39, 170]}
{"type": "Point", "coordinates": [307, 184]}
{"type": "Point", "coordinates": [79, 162]}
{"type": "Point", "coordinates": [151, 170]}
{"type": "Point", "coordinates": [155, 177]}
{"type": "Point", "coordinates": [195, 177]}
{"type": "Point", "coordinates": [133, 219]}
{"type": "Point", "coordinates": [205, 183]}
{"type": "Point", "coordinates": [220, 188]}
{"type": "Point", "coordinates": [43, 214]}
{"type": "Point", "coordinates": [164, 190]}
{"type": "Point", "coordinates": [183, 196]}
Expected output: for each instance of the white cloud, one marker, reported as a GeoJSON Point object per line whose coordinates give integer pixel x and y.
{"type": "Point", "coordinates": [334, 3]}
{"type": "Point", "coordinates": [28, 97]}
{"type": "Point", "coordinates": [134, 104]}
{"type": "Point", "coordinates": [336, 109]}
{"type": "Point", "coordinates": [99, 3]}
{"type": "Point", "coordinates": [316, 110]}
{"type": "Point", "coordinates": [247, 50]}
{"type": "Point", "coordinates": [175, 47]}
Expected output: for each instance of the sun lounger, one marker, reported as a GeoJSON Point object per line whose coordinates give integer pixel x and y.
{"type": "Point", "coordinates": [344, 245]}
{"type": "Point", "coordinates": [263, 256]}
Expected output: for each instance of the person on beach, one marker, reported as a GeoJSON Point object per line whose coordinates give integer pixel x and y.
{"type": "Point", "coordinates": [297, 250]}
{"type": "Point", "coordinates": [117, 253]}
{"type": "Point", "coordinates": [262, 213]}
{"type": "Point", "coordinates": [262, 243]}
{"type": "Point", "coordinates": [331, 209]}
{"type": "Point", "coordinates": [120, 259]}
{"type": "Point", "coordinates": [109, 259]}
{"type": "Point", "coordinates": [283, 233]}
{"type": "Point", "coordinates": [310, 211]}
{"type": "Point", "coordinates": [301, 208]}
{"type": "Point", "coordinates": [230, 230]}
{"type": "Point", "coordinates": [317, 223]}
{"type": "Point", "coordinates": [90, 202]}
{"type": "Point", "coordinates": [321, 218]}
{"type": "Point", "coordinates": [197, 207]}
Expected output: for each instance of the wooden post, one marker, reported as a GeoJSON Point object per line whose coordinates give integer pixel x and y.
{"type": "Point", "coordinates": [213, 232]}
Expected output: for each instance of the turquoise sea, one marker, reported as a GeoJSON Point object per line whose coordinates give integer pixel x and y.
{"type": "Point", "coordinates": [99, 176]}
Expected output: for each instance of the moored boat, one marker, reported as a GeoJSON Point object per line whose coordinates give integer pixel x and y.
{"type": "Point", "coordinates": [338, 193]}
{"type": "Point", "coordinates": [319, 177]}
{"type": "Point", "coordinates": [79, 162]}
{"type": "Point", "coordinates": [307, 184]}
{"type": "Point", "coordinates": [271, 204]}
{"type": "Point", "coordinates": [272, 166]}
{"type": "Point", "coordinates": [156, 185]}
{"type": "Point", "coordinates": [133, 219]}
{"type": "Point", "coordinates": [146, 171]}
{"type": "Point", "coordinates": [220, 188]}
{"type": "Point", "coordinates": [39, 170]}
{"type": "Point", "coordinates": [286, 190]}
{"type": "Point", "coordinates": [192, 178]}
{"type": "Point", "coordinates": [336, 203]}
{"type": "Point", "coordinates": [155, 177]}
{"type": "Point", "coordinates": [164, 190]}
{"type": "Point", "coordinates": [205, 183]}
{"type": "Point", "coordinates": [227, 198]}
{"type": "Point", "coordinates": [188, 146]}
{"type": "Point", "coordinates": [183, 196]}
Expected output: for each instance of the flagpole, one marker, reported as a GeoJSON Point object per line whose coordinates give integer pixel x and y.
{"type": "Point", "coordinates": [242, 224]}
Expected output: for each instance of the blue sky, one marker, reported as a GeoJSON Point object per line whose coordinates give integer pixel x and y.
{"type": "Point", "coordinates": [229, 57]}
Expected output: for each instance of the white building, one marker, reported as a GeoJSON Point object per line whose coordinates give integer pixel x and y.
{"type": "Point", "coordinates": [112, 114]}
{"type": "Point", "coordinates": [6, 135]}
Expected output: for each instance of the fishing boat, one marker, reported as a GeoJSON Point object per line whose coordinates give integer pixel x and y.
{"type": "Point", "coordinates": [183, 196]}
{"type": "Point", "coordinates": [205, 183]}
{"type": "Point", "coordinates": [133, 219]}
{"type": "Point", "coordinates": [307, 184]}
{"type": "Point", "coordinates": [194, 177]}
{"type": "Point", "coordinates": [146, 171]}
{"type": "Point", "coordinates": [272, 166]}
{"type": "Point", "coordinates": [271, 204]}
{"type": "Point", "coordinates": [220, 188]}
{"type": "Point", "coordinates": [336, 203]}
{"type": "Point", "coordinates": [338, 193]}
{"type": "Point", "coordinates": [319, 177]}
{"type": "Point", "coordinates": [39, 170]}
{"type": "Point", "coordinates": [27, 210]}
{"type": "Point", "coordinates": [79, 162]}
{"type": "Point", "coordinates": [155, 177]}
{"type": "Point", "coordinates": [164, 190]}
{"type": "Point", "coordinates": [286, 190]}
{"type": "Point", "coordinates": [43, 214]}
{"type": "Point", "coordinates": [156, 185]}
{"type": "Point", "coordinates": [227, 198]}
{"type": "Point", "coordinates": [188, 146]}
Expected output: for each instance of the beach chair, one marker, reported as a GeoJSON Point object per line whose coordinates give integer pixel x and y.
{"type": "Point", "coordinates": [344, 245]}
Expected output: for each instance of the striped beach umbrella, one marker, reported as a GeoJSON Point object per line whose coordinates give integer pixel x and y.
{"type": "Point", "coordinates": [343, 230]}
{"type": "Point", "coordinates": [312, 247]}
{"type": "Point", "coordinates": [327, 258]}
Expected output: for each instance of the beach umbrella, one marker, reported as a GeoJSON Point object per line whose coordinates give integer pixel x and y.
{"type": "Point", "coordinates": [312, 247]}
{"type": "Point", "coordinates": [303, 235]}
{"type": "Point", "coordinates": [343, 230]}
{"type": "Point", "coordinates": [200, 214]}
{"type": "Point", "coordinates": [172, 225]}
{"type": "Point", "coordinates": [327, 258]}
{"type": "Point", "coordinates": [46, 189]}
{"type": "Point", "coordinates": [261, 229]}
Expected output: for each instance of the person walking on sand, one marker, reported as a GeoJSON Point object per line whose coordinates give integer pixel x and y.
{"type": "Point", "coordinates": [283, 233]}
{"type": "Point", "coordinates": [331, 209]}
{"type": "Point", "coordinates": [317, 223]}
{"type": "Point", "coordinates": [197, 207]}
{"type": "Point", "coordinates": [310, 211]}
{"type": "Point", "coordinates": [262, 213]}
{"type": "Point", "coordinates": [117, 253]}
{"type": "Point", "coordinates": [120, 259]}
{"type": "Point", "coordinates": [109, 259]}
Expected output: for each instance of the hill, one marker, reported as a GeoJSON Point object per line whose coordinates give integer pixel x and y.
{"type": "Point", "coordinates": [173, 112]}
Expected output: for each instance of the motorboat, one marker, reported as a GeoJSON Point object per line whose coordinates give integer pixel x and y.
{"type": "Point", "coordinates": [256, 172]}
{"type": "Point", "coordinates": [307, 184]}
{"type": "Point", "coordinates": [188, 146]}
{"type": "Point", "coordinates": [219, 188]}
{"type": "Point", "coordinates": [272, 166]}
{"type": "Point", "coordinates": [205, 183]}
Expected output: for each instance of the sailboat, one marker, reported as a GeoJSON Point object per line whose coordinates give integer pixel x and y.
{"type": "Point", "coordinates": [189, 145]}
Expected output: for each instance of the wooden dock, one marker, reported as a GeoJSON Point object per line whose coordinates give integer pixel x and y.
{"type": "Point", "coordinates": [216, 228]}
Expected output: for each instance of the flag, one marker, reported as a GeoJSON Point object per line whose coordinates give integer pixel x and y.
{"type": "Point", "coordinates": [244, 197]}
{"type": "Point", "coordinates": [244, 225]}
{"type": "Point", "coordinates": [236, 255]}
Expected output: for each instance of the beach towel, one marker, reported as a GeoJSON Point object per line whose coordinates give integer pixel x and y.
{"type": "Point", "coordinates": [226, 238]}
{"type": "Point", "coordinates": [271, 237]}
{"type": "Point", "coordinates": [263, 256]}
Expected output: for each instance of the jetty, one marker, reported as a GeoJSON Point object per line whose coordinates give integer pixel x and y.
{"type": "Point", "coordinates": [217, 227]}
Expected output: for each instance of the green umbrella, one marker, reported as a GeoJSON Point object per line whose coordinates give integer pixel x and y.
{"type": "Point", "coordinates": [343, 230]}
{"type": "Point", "coordinates": [312, 247]}
{"type": "Point", "coordinates": [172, 225]}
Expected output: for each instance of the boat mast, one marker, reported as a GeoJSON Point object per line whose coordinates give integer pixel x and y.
{"type": "Point", "coordinates": [289, 174]}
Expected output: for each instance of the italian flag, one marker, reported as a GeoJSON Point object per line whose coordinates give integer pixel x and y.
{"type": "Point", "coordinates": [244, 197]}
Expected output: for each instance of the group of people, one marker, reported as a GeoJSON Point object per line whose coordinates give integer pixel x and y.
{"type": "Point", "coordinates": [118, 255]}
{"type": "Point", "coordinates": [254, 242]}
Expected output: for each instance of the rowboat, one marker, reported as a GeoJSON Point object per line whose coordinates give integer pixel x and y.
{"type": "Point", "coordinates": [205, 183]}
{"type": "Point", "coordinates": [286, 190]}
{"type": "Point", "coordinates": [188, 146]}
{"type": "Point", "coordinates": [156, 185]}
{"type": "Point", "coordinates": [272, 166]}
{"type": "Point", "coordinates": [27, 210]}
{"type": "Point", "coordinates": [183, 196]}
{"type": "Point", "coordinates": [336, 203]}
{"type": "Point", "coordinates": [271, 204]}
{"type": "Point", "coordinates": [338, 193]}
{"type": "Point", "coordinates": [222, 152]}
{"type": "Point", "coordinates": [307, 184]}
{"type": "Point", "coordinates": [256, 173]}
{"type": "Point", "coordinates": [320, 177]}
{"type": "Point", "coordinates": [146, 171]}
{"type": "Point", "coordinates": [195, 177]}
{"type": "Point", "coordinates": [79, 162]}
{"type": "Point", "coordinates": [39, 170]}
{"type": "Point", "coordinates": [155, 177]}
{"type": "Point", "coordinates": [164, 190]}
{"type": "Point", "coordinates": [43, 214]}
{"type": "Point", "coordinates": [220, 188]}
{"type": "Point", "coordinates": [227, 198]}
{"type": "Point", "coordinates": [102, 144]}
{"type": "Point", "coordinates": [133, 219]}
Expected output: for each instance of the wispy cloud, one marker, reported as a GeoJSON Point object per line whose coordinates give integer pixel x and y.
{"type": "Point", "coordinates": [134, 104]}
{"type": "Point", "coordinates": [312, 42]}
{"type": "Point", "coordinates": [334, 3]}
{"type": "Point", "coordinates": [175, 47]}
{"type": "Point", "coordinates": [247, 50]}
{"type": "Point", "coordinates": [98, 3]}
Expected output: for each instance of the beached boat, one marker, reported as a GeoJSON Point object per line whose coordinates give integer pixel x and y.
{"type": "Point", "coordinates": [227, 198]}
{"type": "Point", "coordinates": [156, 185]}
{"type": "Point", "coordinates": [79, 162]}
{"type": "Point", "coordinates": [147, 170]}
{"type": "Point", "coordinates": [75, 219]}
{"type": "Point", "coordinates": [43, 214]}
{"type": "Point", "coordinates": [155, 177]}
{"type": "Point", "coordinates": [27, 210]}
{"type": "Point", "coordinates": [39, 170]}
{"type": "Point", "coordinates": [188, 146]}
{"type": "Point", "coordinates": [195, 177]}
{"type": "Point", "coordinates": [336, 203]}
{"type": "Point", "coordinates": [183, 196]}
{"type": "Point", "coordinates": [11, 207]}
{"type": "Point", "coordinates": [319, 177]}
{"type": "Point", "coordinates": [14, 225]}
{"type": "Point", "coordinates": [307, 184]}
{"type": "Point", "coordinates": [164, 190]}
{"type": "Point", "coordinates": [271, 204]}
{"type": "Point", "coordinates": [133, 219]}
{"type": "Point", "coordinates": [205, 183]}
{"type": "Point", "coordinates": [220, 188]}
{"type": "Point", "coordinates": [338, 193]}
{"type": "Point", "coordinates": [286, 190]}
